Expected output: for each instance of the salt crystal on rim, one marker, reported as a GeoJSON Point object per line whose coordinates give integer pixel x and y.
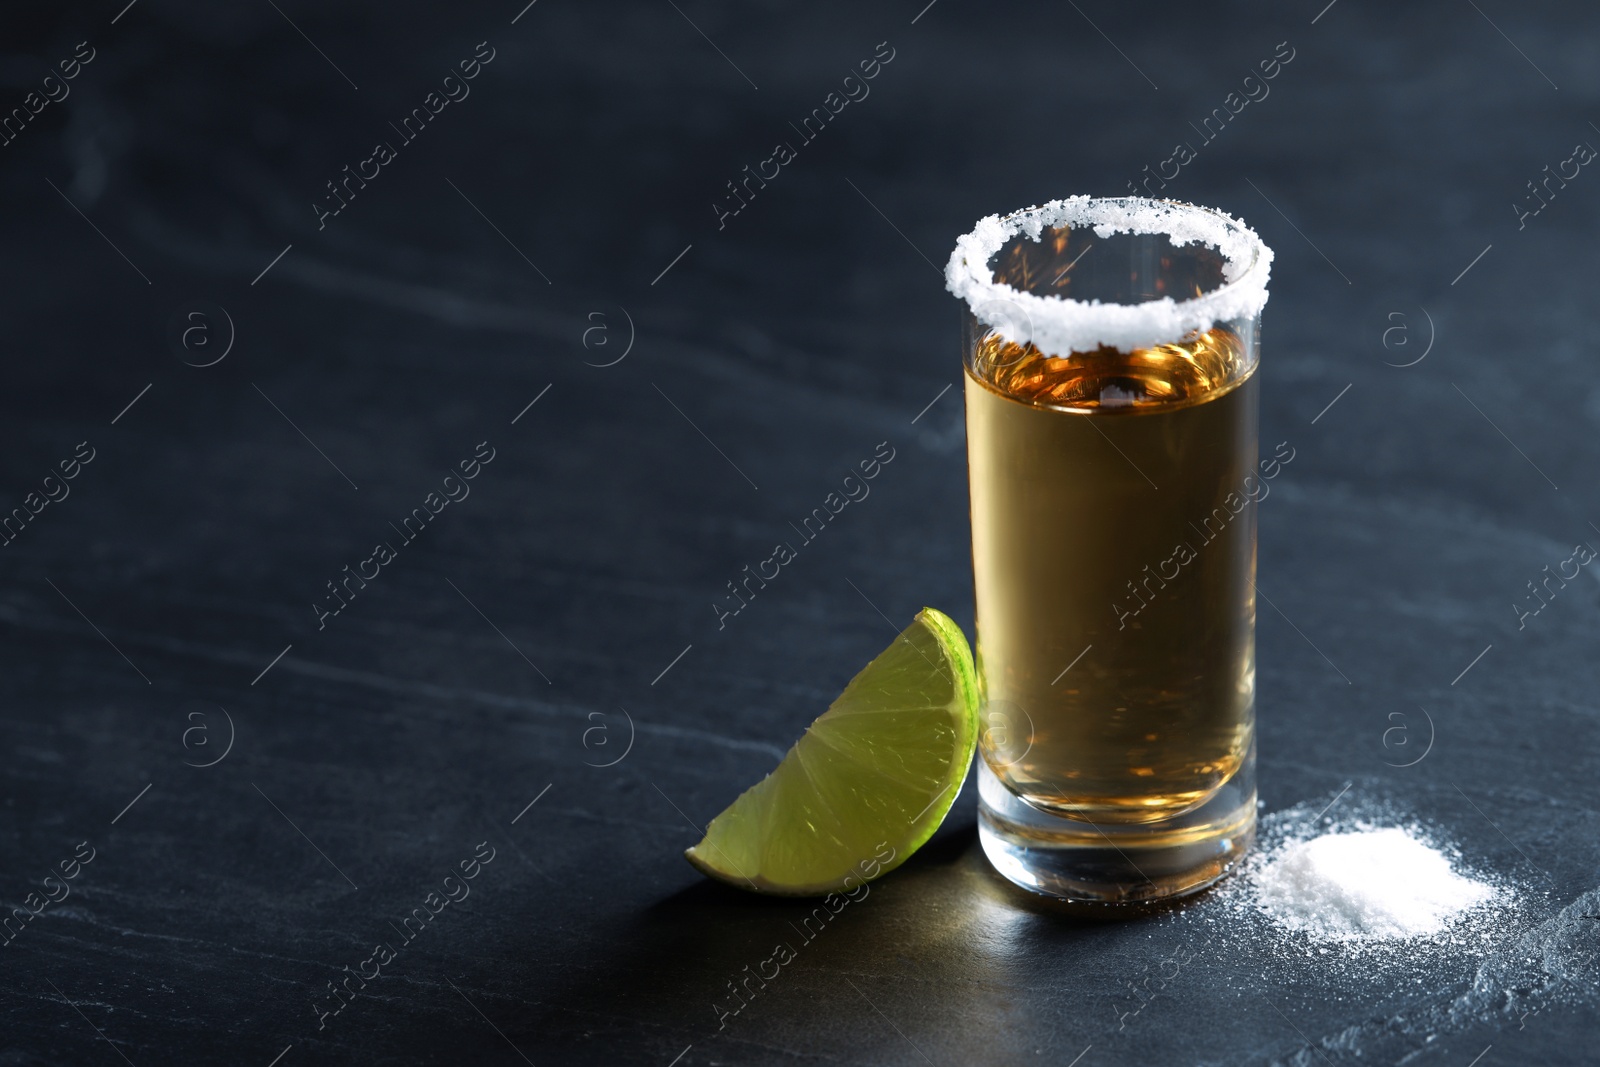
{"type": "Point", "coordinates": [1058, 325]}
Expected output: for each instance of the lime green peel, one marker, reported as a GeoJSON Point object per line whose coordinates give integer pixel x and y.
{"type": "Point", "coordinates": [868, 783]}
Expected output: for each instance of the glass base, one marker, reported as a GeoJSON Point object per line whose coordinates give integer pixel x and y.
{"type": "Point", "coordinates": [1104, 863]}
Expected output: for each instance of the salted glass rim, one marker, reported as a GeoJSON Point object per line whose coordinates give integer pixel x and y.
{"type": "Point", "coordinates": [1058, 325]}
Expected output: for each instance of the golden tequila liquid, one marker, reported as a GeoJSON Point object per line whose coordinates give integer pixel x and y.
{"type": "Point", "coordinates": [1113, 537]}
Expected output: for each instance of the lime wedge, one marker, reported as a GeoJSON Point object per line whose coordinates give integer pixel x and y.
{"type": "Point", "coordinates": [868, 783]}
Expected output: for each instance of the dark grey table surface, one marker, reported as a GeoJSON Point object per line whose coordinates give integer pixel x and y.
{"type": "Point", "coordinates": [267, 791]}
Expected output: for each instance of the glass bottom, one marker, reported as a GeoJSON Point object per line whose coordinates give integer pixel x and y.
{"type": "Point", "coordinates": [1103, 863]}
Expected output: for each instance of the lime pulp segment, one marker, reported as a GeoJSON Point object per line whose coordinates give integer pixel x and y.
{"type": "Point", "coordinates": [867, 784]}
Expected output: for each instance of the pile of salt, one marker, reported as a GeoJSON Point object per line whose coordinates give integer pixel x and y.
{"type": "Point", "coordinates": [1367, 885]}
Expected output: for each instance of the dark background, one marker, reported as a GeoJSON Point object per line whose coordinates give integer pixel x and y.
{"type": "Point", "coordinates": [522, 638]}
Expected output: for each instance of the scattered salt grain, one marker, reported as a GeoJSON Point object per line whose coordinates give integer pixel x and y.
{"type": "Point", "coordinates": [1366, 885]}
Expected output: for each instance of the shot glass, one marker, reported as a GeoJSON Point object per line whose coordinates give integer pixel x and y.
{"type": "Point", "coordinates": [1110, 353]}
